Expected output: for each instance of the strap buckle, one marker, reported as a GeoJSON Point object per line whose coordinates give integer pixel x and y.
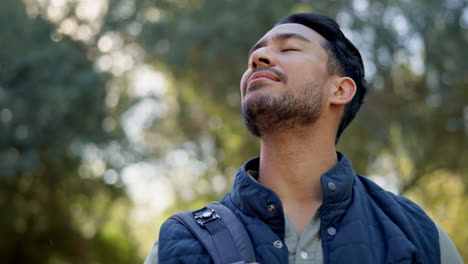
{"type": "Point", "coordinates": [205, 215]}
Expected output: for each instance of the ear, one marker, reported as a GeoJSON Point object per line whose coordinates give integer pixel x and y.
{"type": "Point", "coordinates": [343, 91]}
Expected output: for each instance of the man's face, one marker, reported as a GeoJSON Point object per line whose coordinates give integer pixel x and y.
{"type": "Point", "coordinates": [283, 84]}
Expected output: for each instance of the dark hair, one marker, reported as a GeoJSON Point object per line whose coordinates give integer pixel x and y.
{"type": "Point", "coordinates": [343, 58]}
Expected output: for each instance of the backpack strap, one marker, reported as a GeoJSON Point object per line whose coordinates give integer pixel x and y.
{"type": "Point", "coordinates": [220, 232]}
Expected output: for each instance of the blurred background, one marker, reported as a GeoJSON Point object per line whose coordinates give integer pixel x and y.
{"type": "Point", "coordinates": [114, 114]}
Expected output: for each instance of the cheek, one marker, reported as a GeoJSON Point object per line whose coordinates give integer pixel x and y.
{"type": "Point", "coordinates": [308, 73]}
{"type": "Point", "coordinates": [307, 66]}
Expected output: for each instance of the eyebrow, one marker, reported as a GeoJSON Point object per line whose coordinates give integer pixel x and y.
{"type": "Point", "coordinates": [278, 37]}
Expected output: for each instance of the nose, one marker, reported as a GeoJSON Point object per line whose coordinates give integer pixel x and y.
{"type": "Point", "coordinates": [261, 58]}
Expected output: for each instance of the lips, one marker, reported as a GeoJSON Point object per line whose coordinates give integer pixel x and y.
{"type": "Point", "coordinates": [262, 76]}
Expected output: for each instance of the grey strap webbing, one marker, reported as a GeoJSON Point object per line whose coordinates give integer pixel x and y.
{"type": "Point", "coordinates": [220, 232]}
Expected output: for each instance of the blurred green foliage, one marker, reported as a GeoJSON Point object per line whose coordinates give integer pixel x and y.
{"type": "Point", "coordinates": [51, 105]}
{"type": "Point", "coordinates": [55, 111]}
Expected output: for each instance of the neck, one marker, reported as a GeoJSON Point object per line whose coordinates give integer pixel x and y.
{"type": "Point", "coordinates": [291, 164]}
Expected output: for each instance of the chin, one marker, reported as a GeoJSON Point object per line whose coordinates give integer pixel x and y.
{"type": "Point", "coordinates": [268, 86]}
{"type": "Point", "coordinates": [263, 92]}
{"type": "Point", "coordinates": [261, 99]}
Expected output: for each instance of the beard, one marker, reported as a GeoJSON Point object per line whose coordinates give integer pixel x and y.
{"type": "Point", "coordinates": [266, 113]}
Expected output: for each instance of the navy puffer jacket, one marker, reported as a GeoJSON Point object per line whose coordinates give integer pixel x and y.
{"type": "Point", "coordinates": [360, 223]}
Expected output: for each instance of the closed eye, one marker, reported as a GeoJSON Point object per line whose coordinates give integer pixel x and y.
{"type": "Point", "coordinates": [286, 50]}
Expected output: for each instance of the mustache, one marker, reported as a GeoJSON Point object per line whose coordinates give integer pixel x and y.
{"type": "Point", "coordinates": [283, 78]}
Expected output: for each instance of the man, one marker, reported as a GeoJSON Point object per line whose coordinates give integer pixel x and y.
{"type": "Point", "coordinates": [301, 201]}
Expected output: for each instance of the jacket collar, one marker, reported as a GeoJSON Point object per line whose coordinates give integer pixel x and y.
{"type": "Point", "coordinates": [337, 189]}
{"type": "Point", "coordinates": [257, 201]}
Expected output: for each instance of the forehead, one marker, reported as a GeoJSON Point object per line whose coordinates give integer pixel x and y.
{"type": "Point", "coordinates": [306, 32]}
